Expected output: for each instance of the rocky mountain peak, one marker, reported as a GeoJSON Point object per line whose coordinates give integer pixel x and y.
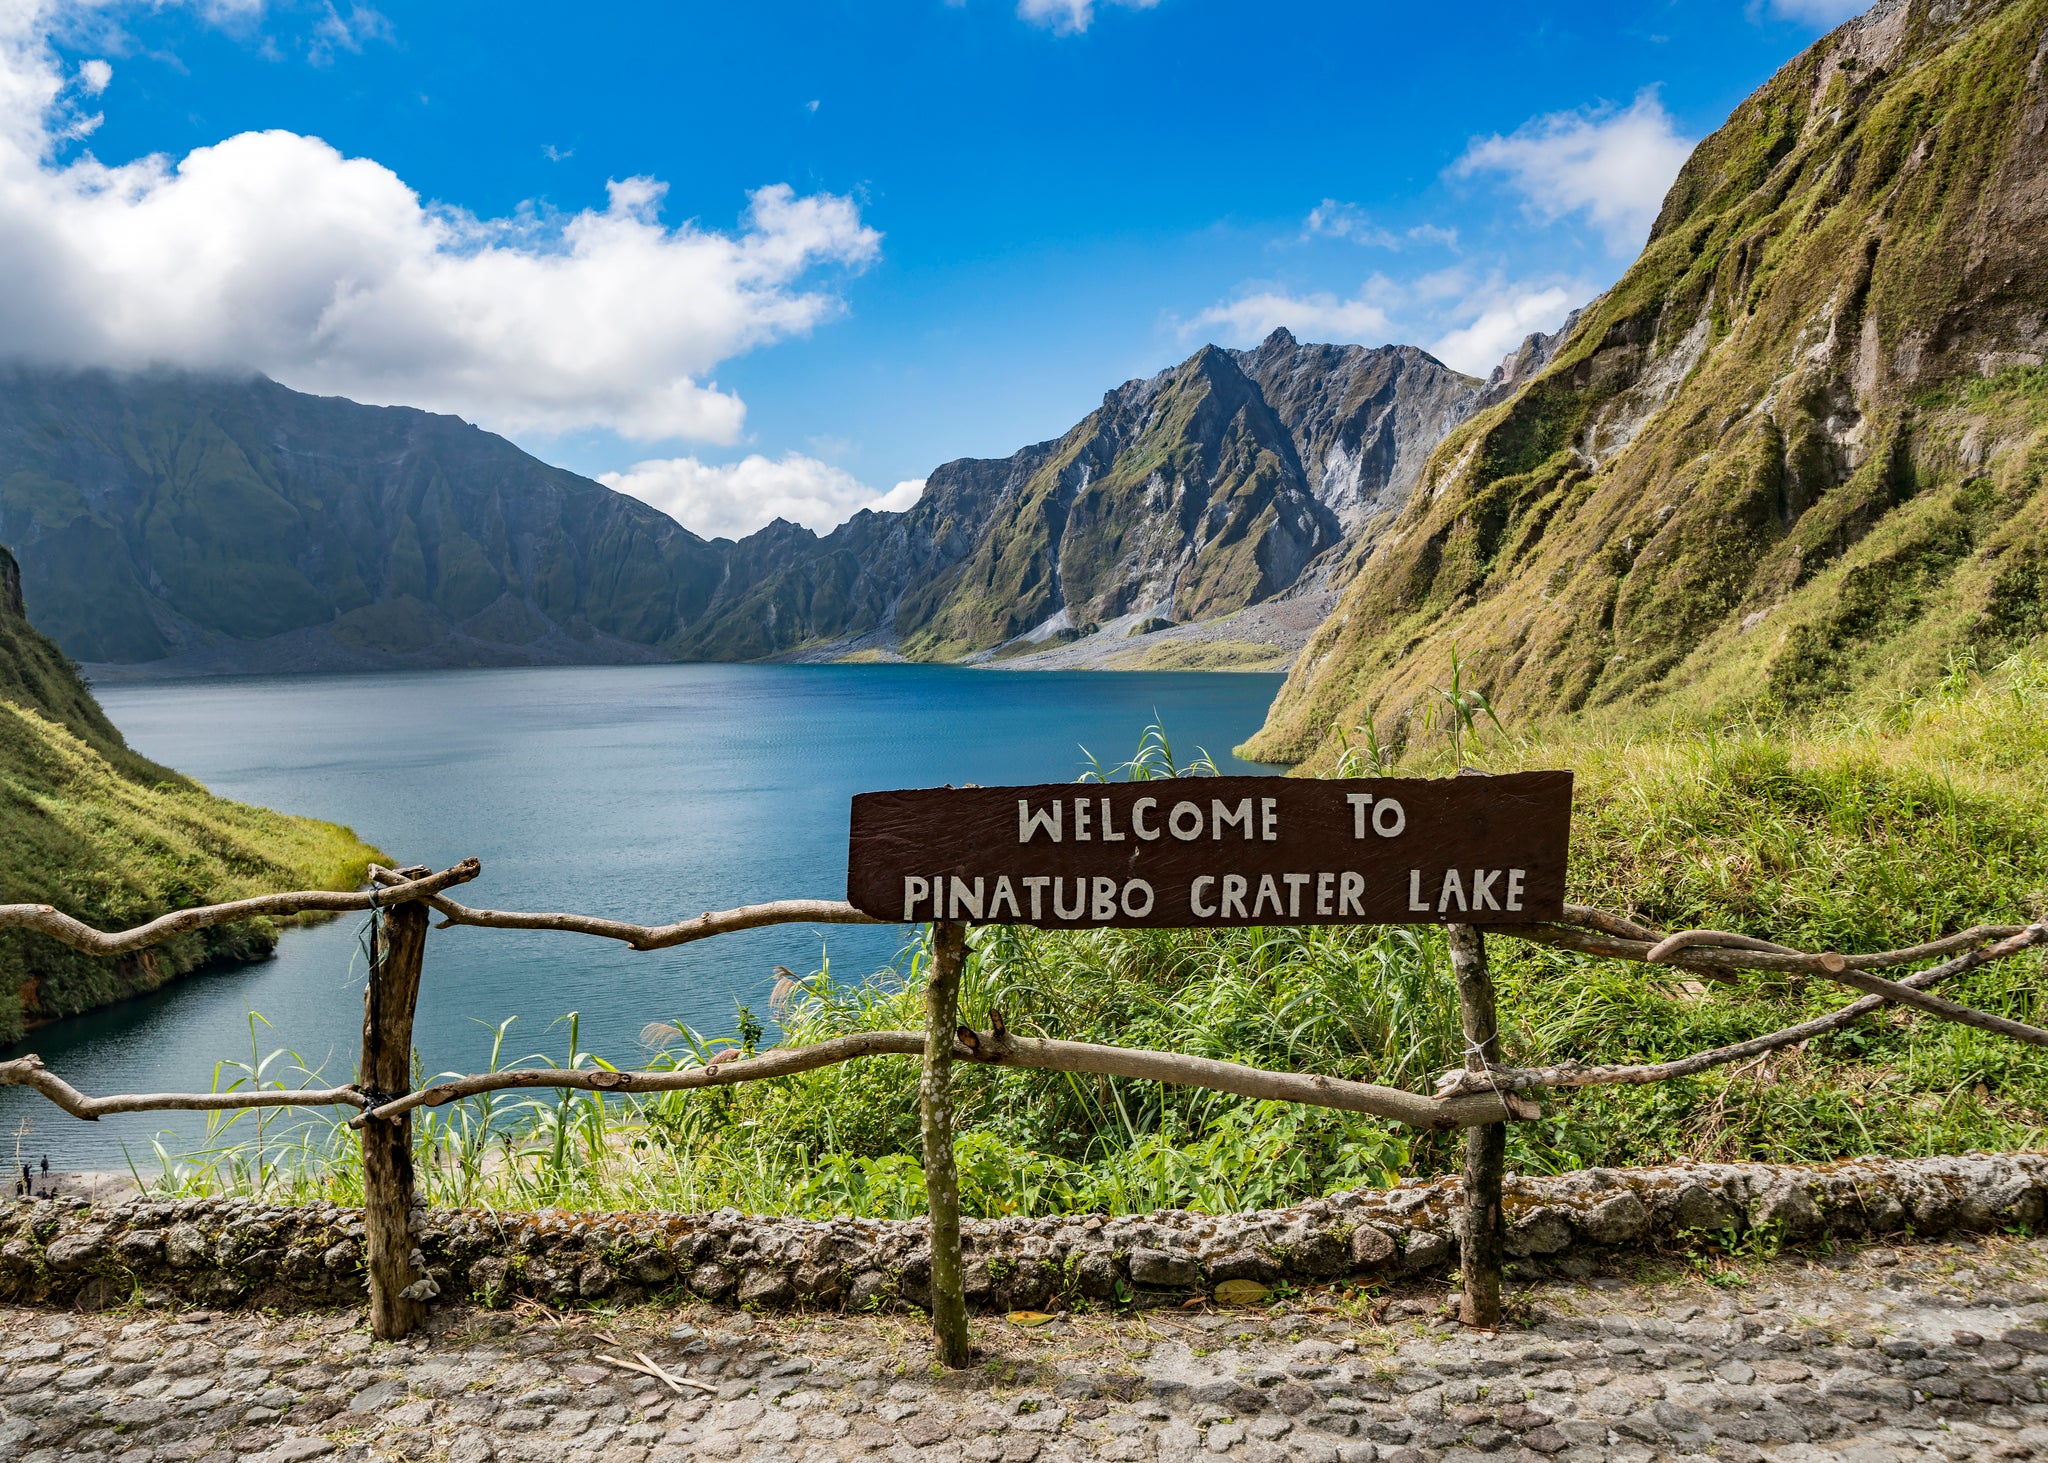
{"type": "Point", "coordinates": [1523, 362]}
{"type": "Point", "coordinates": [1362, 418]}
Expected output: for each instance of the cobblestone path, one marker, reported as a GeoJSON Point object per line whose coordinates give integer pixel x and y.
{"type": "Point", "coordinates": [1931, 1352]}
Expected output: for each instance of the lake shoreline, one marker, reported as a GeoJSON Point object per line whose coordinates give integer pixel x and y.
{"type": "Point", "coordinates": [1264, 638]}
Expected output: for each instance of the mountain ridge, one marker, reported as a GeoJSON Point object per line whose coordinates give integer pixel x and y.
{"type": "Point", "coordinates": [170, 523]}
{"type": "Point", "coordinates": [161, 513]}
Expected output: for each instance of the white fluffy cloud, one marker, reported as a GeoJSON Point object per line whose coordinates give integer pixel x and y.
{"type": "Point", "coordinates": [275, 252]}
{"type": "Point", "coordinates": [1472, 321]}
{"type": "Point", "coordinates": [1504, 317]}
{"type": "Point", "coordinates": [901, 497]}
{"type": "Point", "coordinates": [1612, 166]}
{"type": "Point", "coordinates": [1250, 318]}
{"type": "Point", "coordinates": [1331, 219]}
{"type": "Point", "coordinates": [731, 500]}
{"type": "Point", "coordinates": [1070, 17]}
{"type": "Point", "coordinates": [1825, 14]}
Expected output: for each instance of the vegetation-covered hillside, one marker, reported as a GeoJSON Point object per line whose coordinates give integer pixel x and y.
{"type": "Point", "coordinates": [108, 836]}
{"type": "Point", "coordinates": [205, 524]}
{"type": "Point", "coordinates": [1798, 455]}
{"type": "Point", "coordinates": [168, 514]}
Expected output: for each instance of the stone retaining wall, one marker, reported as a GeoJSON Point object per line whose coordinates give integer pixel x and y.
{"type": "Point", "coordinates": [226, 1252]}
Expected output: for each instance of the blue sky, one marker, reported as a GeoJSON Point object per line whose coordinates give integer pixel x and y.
{"type": "Point", "coordinates": [785, 256]}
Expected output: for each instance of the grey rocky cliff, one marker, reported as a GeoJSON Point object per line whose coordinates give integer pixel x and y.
{"type": "Point", "coordinates": [1362, 420]}
{"type": "Point", "coordinates": [1522, 363]}
{"type": "Point", "coordinates": [11, 604]}
{"type": "Point", "coordinates": [1236, 479]}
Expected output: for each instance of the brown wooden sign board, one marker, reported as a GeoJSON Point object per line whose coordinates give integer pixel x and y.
{"type": "Point", "coordinates": [1217, 851]}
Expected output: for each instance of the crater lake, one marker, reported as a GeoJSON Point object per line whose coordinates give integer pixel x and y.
{"type": "Point", "coordinates": [646, 793]}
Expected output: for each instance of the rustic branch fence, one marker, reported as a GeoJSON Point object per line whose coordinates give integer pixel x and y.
{"type": "Point", "coordinates": [1481, 1097]}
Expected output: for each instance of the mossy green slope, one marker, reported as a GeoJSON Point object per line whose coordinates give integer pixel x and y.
{"type": "Point", "coordinates": [1795, 456]}
{"type": "Point", "coordinates": [34, 673]}
{"type": "Point", "coordinates": [110, 837]}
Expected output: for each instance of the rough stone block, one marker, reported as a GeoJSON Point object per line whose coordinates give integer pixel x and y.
{"type": "Point", "coordinates": [712, 1282]}
{"type": "Point", "coordinates": [1371, 1248]}
{"type": "Point", "coordinates": [1540, 1232]}
{"type": "Point", "coordinates": [1700, 1207]}
{"type": "Point", "coordinates": [1621, 1220]}
{"type": "Point", "coordinates": [766, 1286]}
{"type": "Point", "coordinates": [1162, 1267]}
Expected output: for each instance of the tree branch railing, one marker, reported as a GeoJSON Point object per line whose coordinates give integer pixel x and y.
{"type": "Point", "coordinates": [1003, 1049]}
{"type": "Point", "coordinates": [1481, 1096]}
{"type": "Point", "coordinates": [659, 937]}
{"type": "Point", "coordinates": [45, 919]}
{"type": "Point", "coordinates": [1692, 950]}
{"type": "Point", "coordinates": [29, 1071]}
{"type": "Point", "coordinates": [1721, 955]}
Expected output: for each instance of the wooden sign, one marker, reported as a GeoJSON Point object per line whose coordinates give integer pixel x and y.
{"type": "Point", "coordinates": [1217, 851]}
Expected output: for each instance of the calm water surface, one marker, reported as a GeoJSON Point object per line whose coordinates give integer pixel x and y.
{"type": "Point", "coordinates": [644, 792]}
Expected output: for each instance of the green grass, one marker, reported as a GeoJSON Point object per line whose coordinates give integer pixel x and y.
{"type": "Point", "coordinates": [1844, 834]}
{"type": "Point", "coordinates": [79, 831]}
{"type": "Point", "coordinates": [110, 837]}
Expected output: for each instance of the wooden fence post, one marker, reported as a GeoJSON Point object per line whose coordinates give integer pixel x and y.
{"type": "Point", "coordinates": [1479, 1224]}
{"type": "Point", "coordinates": [396, 956]}
{"type": "Point", "coordinates": [935, 1110]}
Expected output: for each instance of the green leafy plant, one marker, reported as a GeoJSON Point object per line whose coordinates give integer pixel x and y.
{"type": "Point", "coordinates": [1370, 757]}
{"type": "Point", "coordinates": [1152, 761]}
{"type": "Point", "coordinates": [1456, 710]}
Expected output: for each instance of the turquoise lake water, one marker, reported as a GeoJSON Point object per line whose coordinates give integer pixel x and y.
{"type": "Point", "coordinates": [647, 793]}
